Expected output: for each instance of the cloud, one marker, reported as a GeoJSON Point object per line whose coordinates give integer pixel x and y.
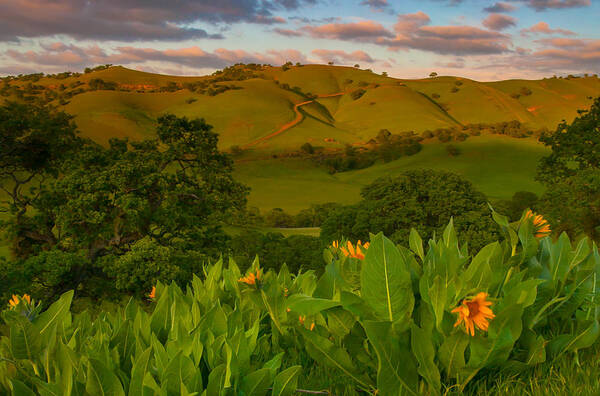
{"type": "Point", "coordinates": [133, 20]}
{"type": "Point", "coordinates": [288, 32]}
{"type": "Point", "coordinates": [338, 56]}
{"type": "Point", "coordinates": [499, 21]}
{"type": "Point", "coordinates": [500, 7]}
{"type": "Point", "coordinates": [542, 5]}
{"type": "Point", "coordinates": [557, 56]}
{"type": "Point", "coordinates": [377, 5]}
{"type": "Point", "coordinates": [414, 32]}
{"type": "Point", "coordinates": [359, 31]}
{"type": "Point", "coordinates": [410, 22]}
{"type": "Point", "coordinates": [58, 56]}
{"type": "Point", "coordinates": [544, 28]}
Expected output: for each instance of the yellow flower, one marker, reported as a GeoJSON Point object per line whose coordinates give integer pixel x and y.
{"type": "Point", "coordinates": [542, 228]}
{"type": "Point", "coordinates": [152, 294]}
{"type": "Point", "coordinates": [301, 319]}
{"type": "Point", "coordinates": [287, 310]}
{"type": "Point", "coordinates": [350, 251]}
{"type": "Point", "coordinates": [474, 311]}
{"type": "Point", "coordinates": [335, 244]}
{"type": "Point", "coordinates": [14, 301]}
{"type": "Point", "coordinates": [251, 278]}
{"type": "Point", "coordinates": [312, 326]}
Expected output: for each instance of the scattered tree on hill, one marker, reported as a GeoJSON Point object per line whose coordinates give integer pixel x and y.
{"type": "Point", "coordinates": [433, 74]}
{"type": "Point", "coordinates": [357, 66]}
{"type": "Point", "coordinates": [236, 150]}
{"type": "Point", "coordinates": [525, 91]}
{"type": "Point", "coordinates": [277, 217]}
{"type": "Point", "coordinates": [384, 74]}
{"type": "Point", "coordinates": [357, 94]}
{"type": "Point", "coordinates": [383, 136]}
{"type": "Point", "coordinates": [308, 148]}
{"type": "Point", "coordinates": [452, 150]}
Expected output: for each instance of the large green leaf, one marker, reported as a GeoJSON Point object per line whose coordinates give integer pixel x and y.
{"type": "Point", "coordinates": [25, 339]}
{"type": "Point", "coordinates": [396, 370]}
{"type": "Point", "coordinates": [57, 313]}
{"type": "Point", "coordinates": [308, 305]}
{"type": "Point", "coordinates": [422, 347]}
{"type": "Point", "coordinates": [437, 296]}
{"type": "Point", "coordinates": [286, 382]}
{"type": "Point", "coordinates": [325, 352]}
{"type": "Point", "coordinates": [138, 372]}
{"type": "Point", "coordinates": [385, 281]}
{"type": "Point", "coordinates": [101, 381]}
{"type": "Point", "coordinates": [416, 243]}
{"type": "Point", "coordinates": [216, 380]}
{"type": "Point", "coordinates": [452, 353]}
{"type": "Point", "coordinates": [256, 383]}
{"type": "Point", "coordinates": [20, 389]}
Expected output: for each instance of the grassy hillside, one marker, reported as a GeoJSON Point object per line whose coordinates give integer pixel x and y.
{"type": "Point", "coordinates": [260, 105]}
{"type": "Point", "coordinates": [497, 165]}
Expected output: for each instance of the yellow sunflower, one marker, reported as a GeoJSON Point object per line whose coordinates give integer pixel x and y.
{"type": "Point", "coordinates": [476, 312]}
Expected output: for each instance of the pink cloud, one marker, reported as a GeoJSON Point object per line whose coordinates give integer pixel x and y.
{"type": "Point", "coordinates": [544, 28]}
{"type": "Point", "coordinates": [541, 5]}
{"type": "Point", "coordinates": [410, 22]}
{"type": "Point", "coordinates": [59, 54]}
{"type": "Point", "coordinates": [339, 56]}
{"type": "Point", "coordinates": [499, 21]}
{"type": "Point", "coordinates": [364, 30]}
{"type": "Point", "coordinates": [500, 7]}
{"type": "Point", "coordinates": [288, 32]}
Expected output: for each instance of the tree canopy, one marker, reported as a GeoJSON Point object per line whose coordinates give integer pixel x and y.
{"type": "Point", "coordinates": [423, 199]}
{"type": "Point", "coordinates": [575, 146]}
{"type": "Point", "coordinates": [116, 217]}
{"type": "Point", "coordinates": [571, 174]}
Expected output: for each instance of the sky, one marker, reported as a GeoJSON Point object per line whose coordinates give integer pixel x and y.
{"type": "Point", "coordinates": [478, 39]}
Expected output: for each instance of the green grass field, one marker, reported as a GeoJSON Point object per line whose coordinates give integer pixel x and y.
{"type": "Point", "coordinates": [497, 165]}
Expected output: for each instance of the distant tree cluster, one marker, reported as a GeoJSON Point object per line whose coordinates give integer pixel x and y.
{"type": "Point", "coordinates": [384, 147]}
{"type": "Point", "coordinates": [509, 128]}
{"type": "Point", "coordinates": [422, 199]}
{"type": "Point", "coordinates": [97, 68]}
{"type": "Point", "coordinates": [524, 91]}
{"type": "Point", "coordinates": [99, 84]}
{"type": "Point", "coordinates": [277, 217]}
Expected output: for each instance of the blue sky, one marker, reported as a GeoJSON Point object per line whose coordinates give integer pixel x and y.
{"type": "Point", "coordinates": [485, 40]}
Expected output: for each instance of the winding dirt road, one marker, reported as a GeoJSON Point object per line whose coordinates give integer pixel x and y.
{"type": "Point", "coordinates": [293, 123]}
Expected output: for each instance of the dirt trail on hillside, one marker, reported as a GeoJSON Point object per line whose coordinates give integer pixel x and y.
{"type": "Point", "coordinates": [294, 122]}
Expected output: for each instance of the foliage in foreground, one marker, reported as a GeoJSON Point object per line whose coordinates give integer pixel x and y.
{"type": "Point", "coordinates": [383, 321]}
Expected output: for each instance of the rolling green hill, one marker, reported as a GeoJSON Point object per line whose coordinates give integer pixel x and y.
{"type": "Point", "coordinates": [261, 104]}
{"type": "Point", "coordinates": [262, 101]}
